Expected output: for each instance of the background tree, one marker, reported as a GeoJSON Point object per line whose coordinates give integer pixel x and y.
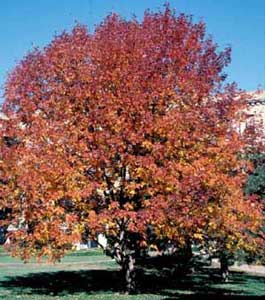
{"type": "Point", "coordinates": [256, 181]}
{"type": "Point", "coordinates": [255, 187]}
{"type": "Point", "coordinates": [119, 131]}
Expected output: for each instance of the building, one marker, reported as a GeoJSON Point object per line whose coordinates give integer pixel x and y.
{"type": "Point", "coordinates": [256, 108]}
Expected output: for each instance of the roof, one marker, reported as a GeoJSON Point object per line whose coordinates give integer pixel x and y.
{"type": "Point", "coordinates": [257, 98]}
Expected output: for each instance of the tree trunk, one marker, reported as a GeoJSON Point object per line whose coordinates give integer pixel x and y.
{"type": "Point", "coordinates": [224, 268]}
{"type": "Point", "coordinates": [124, 253]}
{"type": "Point", "coordinates": [185, 258]}
{"type": "Point", "coordinates": [129, 273]}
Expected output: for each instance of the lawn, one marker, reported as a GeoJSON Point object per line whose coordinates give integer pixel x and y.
{"type": "Point", "coordinates": [93, 276]}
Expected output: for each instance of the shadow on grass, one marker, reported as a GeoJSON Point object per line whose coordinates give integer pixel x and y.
{"type": "Point", "coordinates": [64, 282]}
{"type": "Point", "coordinates": [201, 286]}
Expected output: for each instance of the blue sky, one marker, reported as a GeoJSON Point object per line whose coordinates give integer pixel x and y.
{"type": "Point", "coordinates": [238, 23]}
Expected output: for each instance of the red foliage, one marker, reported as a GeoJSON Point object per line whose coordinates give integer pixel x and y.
{"type": "Point", "coordinates": [120, 129]}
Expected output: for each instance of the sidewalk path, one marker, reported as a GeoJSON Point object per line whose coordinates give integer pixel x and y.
{"type": "Point", "coordinates": [251, 269]}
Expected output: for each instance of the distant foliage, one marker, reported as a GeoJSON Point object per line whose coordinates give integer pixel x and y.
{"type": "Point", "coordinates": [256, 181]}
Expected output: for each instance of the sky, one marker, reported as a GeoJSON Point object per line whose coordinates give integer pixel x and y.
{"type": "Point", "coordinates": [26, 24]}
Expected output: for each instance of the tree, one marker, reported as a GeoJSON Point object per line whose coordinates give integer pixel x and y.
{"type": "Point", "coordinates": [119, 131]}
{"type": "Point", "coordinates": [255, 187]}
{"type": "Point", "coordinates": [256, 181]}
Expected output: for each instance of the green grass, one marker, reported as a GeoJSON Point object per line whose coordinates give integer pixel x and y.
{"type": "Point", "coordinates": [92, 276]}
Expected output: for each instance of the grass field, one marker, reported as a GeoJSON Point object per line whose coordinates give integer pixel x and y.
{"type": "Point", "coordinates": [92, 276]}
